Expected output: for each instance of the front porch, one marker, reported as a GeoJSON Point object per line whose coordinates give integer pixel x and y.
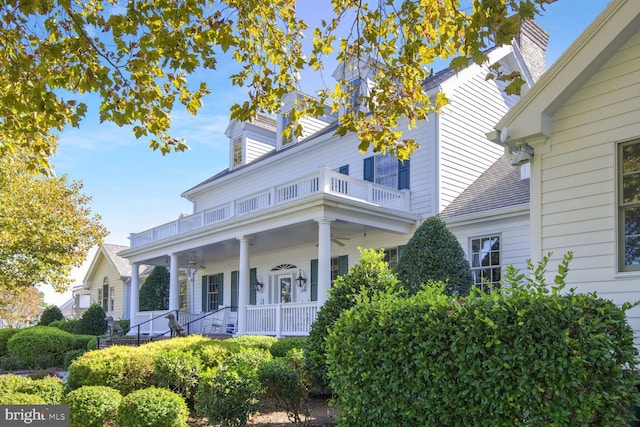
{"type": "Point", "coordinates": [279, 320]}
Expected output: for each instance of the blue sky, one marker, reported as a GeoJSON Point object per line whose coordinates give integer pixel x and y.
{"type": "Point", "coordinates": [134, 188]}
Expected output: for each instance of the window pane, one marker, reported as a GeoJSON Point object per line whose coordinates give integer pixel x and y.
{"type": "Point", "coordinates": [630, 186]}
{"type": "Point", "coordinates": [387, 171]}
{"type": "Point", "coordinates": [632, 236]}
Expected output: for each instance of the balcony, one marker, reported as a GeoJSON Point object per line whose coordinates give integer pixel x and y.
{"type": "Point", "coordinates": [322, 181]}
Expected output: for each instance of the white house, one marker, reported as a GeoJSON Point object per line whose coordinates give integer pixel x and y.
{"type": "Point", "coordinates": [580, 127]}
{"type": "Point", "coordinates": [268, 234]}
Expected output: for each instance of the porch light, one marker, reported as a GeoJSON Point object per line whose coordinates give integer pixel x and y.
{"type": "Point", "coordinates": [301, 280]}
{"type": "Point", "coordinates": [259, 285]}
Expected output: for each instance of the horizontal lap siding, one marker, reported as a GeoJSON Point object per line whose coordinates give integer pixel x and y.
{"type": "Point", "coordinates": [578, 176]}
{"type": "Point", "coordinates": [465, 153]}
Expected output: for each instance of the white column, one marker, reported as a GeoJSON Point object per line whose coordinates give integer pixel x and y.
{"type": "Point", "coordinates": [324, 259]}
{"type": "Point", "coordinates": [243, 285]}
{"type": "Point", "coordinates": [134, 293]}
{"type": "Point", "coordinates": [174, 284]}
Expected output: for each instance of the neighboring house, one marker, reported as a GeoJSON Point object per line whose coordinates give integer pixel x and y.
{"type": "Point", "coordinates": [268, 235]}
{"type": "Point", "coordinates": [580, 126]}
{"type": "Point", "coordinates": [68, 308]}
{"type": "Point", "coordinates": [106, 283]}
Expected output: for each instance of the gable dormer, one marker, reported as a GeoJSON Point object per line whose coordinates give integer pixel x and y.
{"type": "Point", "coordinates": [310, 125]}
{"type": "Point", "coordinates": [356, 78]}
{"type": "Point", "coordinates": [250, 140]}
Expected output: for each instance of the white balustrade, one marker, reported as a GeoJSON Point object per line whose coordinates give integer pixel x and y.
{"type": "Point", "coordinates": [281, 319]}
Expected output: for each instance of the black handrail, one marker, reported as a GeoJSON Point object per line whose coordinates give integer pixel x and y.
{"type": "Point", "coordinates": [151, 320]}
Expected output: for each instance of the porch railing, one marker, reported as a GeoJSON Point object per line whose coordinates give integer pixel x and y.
{"type": "Point", "coordinates": [322, 181]}
{"type": "Point", "coordinates": [293, 319]}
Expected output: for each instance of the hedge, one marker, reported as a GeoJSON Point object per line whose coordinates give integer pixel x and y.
{"type": "Point", "coordinates": [519, 355]}
{"type": "Point", "coordinates": [40, 346]}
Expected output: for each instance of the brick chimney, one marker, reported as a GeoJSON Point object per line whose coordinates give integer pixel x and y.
{"type": "Point", "coordinates": [532, 43]}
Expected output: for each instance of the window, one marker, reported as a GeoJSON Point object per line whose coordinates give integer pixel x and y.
{"type": "Point", "coordinates": [105, 294]}
{"type": "Point", "coordinates": [629, 206]}
{"type": "Point", "coordinates": [354, 98]}
{"type": "Point", "coordinates": [112, 298]}
{"type": "Point", "coordinates": [387, 171]}
{"type": "Point", "coordinates": [339, 266]}
{"type": "Point", "coordinates": [183, 294]}
{"type": "Point", "coordinates": [237, 152]}
{"type": "Point", "coordinates": [391, 257]}
{"type": "Point", "coordinates": [286, 139]}
{"type": "Point", "coordinates": [213, 289]}
{"type": "Point", "coordinates": [485, 262]}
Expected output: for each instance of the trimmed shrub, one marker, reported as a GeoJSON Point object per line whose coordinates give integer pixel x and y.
{"type": "Point", "coordinates": [82, 341]}
{"type": "Point", "coordinates": [178, 371]}
{"type": "Point", "coordinates": [5, 335]}
{"type": "Point", "coordinates": [9, 363]}
{"type": "Point", "coordinates": [521, 355]}
{"type": "Point", "coordinates": [124, 324]}
{"type": "Point", "coordinates": [283, 346]}
{"type": "Point", "coordinates": [92, 322]}
{"type": "Point", "coordinates": [10, 383]}
{"type": "Point", "coordinates": [92, 406]}
{"type": "Point", "coordinates": [20, 399]}
{"type": "Point", "coordinates": [122, 368]}
{"type": "Point", "coordinates": [40, 346]}
{"type": "Point", "coordinates": [434, 254]}
{"type": "Point", "coordinates": [370, 276]}
{"type": "Point", "coordinates": [282, 381]}
{"type": "Point", "coordinates": [51, 389]}
{"type": "Point", "coordinates": [50, 314]}
{"type": "Point", "coordinates": [92, 344]}
{"type": "Point", "coordinates": [212, 354]}
{"type": "Point", "coordinates": [226, 397]}
{"type": "Point", "coordinates": [261, 342]}
{"type": "Point", "coordinates": [66, 325]}
{"type": "Point", "coordinates": [152, 407]}
{"type": "Point", "coordinates": [154, 292]}
{"type": "Point", "coordinates": [72, 355]}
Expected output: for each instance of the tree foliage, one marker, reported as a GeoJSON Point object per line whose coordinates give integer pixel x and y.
{"type": "Point", "coordinates": [19, 306]}
{"type": "Point", "coordinates": [50, 314]}
{"type": "Point", "coordinates": [154, 293]}
{"type": "Point", "coordinates": [92, 322]}
{"type": "Point", "coordinates": [46, 227]}
{"type": "Point", "coordinates": [434, 254]}
{"type": "Point", "coordinates": [137, 57]}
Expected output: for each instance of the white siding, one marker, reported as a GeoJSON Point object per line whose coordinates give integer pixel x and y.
{"type": "Point", "coordinates": [578, 178]}
{"type": "Point", "coordinates": [464, 151]}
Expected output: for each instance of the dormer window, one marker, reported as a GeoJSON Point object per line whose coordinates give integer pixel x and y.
{"type": "Point", "coordinates": [237, 152]}
{"type": "Point", "coordinates": [286, 139]}
{"type": "Point", "coordinates": [354, 98]}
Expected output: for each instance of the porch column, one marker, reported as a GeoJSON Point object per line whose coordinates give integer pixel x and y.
{"type": "Point", "coordinates": [243, 285]}
{"type": "Point", "coordinates": [324, 259]}
{"type": "Point", "coordinates": [134, 293]}
{"type": "Point", "coordinates": [174, 284]}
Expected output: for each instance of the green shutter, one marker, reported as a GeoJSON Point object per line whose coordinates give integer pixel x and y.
{"type": "Point", "coordinates": [343, 265]}
{"type": "Point", "coordinates": [314, 280]}
{"type": "Point", "coordinates": [253, 278]}
{"type": "Point", "coordinates": [220, 289]}
{"type": "Point", "coordinates": [403, 175]}
{"type": "Point", "coordinates": [368, 167]}
{"type": "Point", "coordinates": [204, 294]}
{"type": "Point", "coordinates": [234, 291]}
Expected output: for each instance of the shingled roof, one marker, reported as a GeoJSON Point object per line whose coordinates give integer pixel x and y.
{"type": "Point", "coordinates": [498, 187]}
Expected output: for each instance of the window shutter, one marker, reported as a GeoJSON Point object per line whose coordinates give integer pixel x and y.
{"type": "Point", "coordinates": [344, 170]}
{"type": "Point", "coordinates": [403, 175]}
{"type": "Point", "coordinates": [204, 294]}
{"type": "Point", "coordinates": [220, 289]}
{"type": "Point", "coordinates": [234, 290]}
{"type": "Point", "coordinates": [343, 265]}
{"type": "Point", "coordinates": [253, 278]}
{"type": "Point", "coordinates": [368, 169]}
{"type": "Point", "coordinates": [314, 280]}
{"type": "Point", "coordinates": [401, 249]}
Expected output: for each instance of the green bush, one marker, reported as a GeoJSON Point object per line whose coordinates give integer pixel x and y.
{"type": "Point", "coordinates": [50, 314]}
{"type": "Point", "coordinates": [237, 344]}
{"type": "Point", "coordinates": [123, 368]}
{"type": "Point", "coordinates": [226, 397]}
{"type": "Point", "coordinates": [9, 363]}
{"type": "Point", "coordinates": [92, 322]}
{"type": "Point", "coordinates": [154, 292]}
{"type": "Point", "coordinates": [20, 399]}
{"type": "Point", "coordinates": [66, 325]}
{"type": "Point", "coordinates": [72, 355]}
{"type": "Point", "coordinates": [370, 276]}
{"type": "Point", "coordinates": [178, 371]}
{"type": "Point", "coordinates": [152, 407]}
{"type": "Point", "coordinates": [211, 354]}
{"type": "Point", "coordinates": [124, 324]}
{"type": "Point", "coordinates": [434, 254]}
{"type": "Point", "coordinates": [282, 382]}
{"type": "Point", "coordinates": [92, 406]}
{"type": "Point", "coordinates": [10, 383]}
{"type": "Point", "coordinates": [281, 347]}
{"type": "Point", "coordinates": [40, 346]}
{"type": "Point", "coordinates": [5, 335]}
{"type": "Point", "coordinates": [521, 355]}
{"type": "Point", "coordinates": [51, 389]}
{"type": "Point", "coordinates": [82, 341]}
{"type": "Point", "coordinates": [92, 344]}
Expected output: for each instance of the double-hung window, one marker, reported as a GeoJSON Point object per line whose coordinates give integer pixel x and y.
{"type": "Point", "coordinates": [485, 262]}
{"type": "Point", "coordinates": [105, 294]}
{"type": "Point", "coordinates": [629, 206]}
{"type": "Point", "coordinates": [237, 151]}
{"type": "Point", "coordinates": [387, 171]}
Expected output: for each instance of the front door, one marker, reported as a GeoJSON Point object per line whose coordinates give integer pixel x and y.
{"type": "Point", "coordinates": [285, 288]}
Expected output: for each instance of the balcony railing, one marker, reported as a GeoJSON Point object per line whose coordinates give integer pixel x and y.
{"type": "Point", "coordinates": [323, 181]}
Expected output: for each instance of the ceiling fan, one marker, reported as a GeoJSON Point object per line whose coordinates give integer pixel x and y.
{"type": "Point", "coordinates": [194, 264]}
{"type": "Point", "coordinates": [338, 240]}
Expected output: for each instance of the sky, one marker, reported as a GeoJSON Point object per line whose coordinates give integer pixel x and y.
{"type": "Point", "coordinates": [134, 189]}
